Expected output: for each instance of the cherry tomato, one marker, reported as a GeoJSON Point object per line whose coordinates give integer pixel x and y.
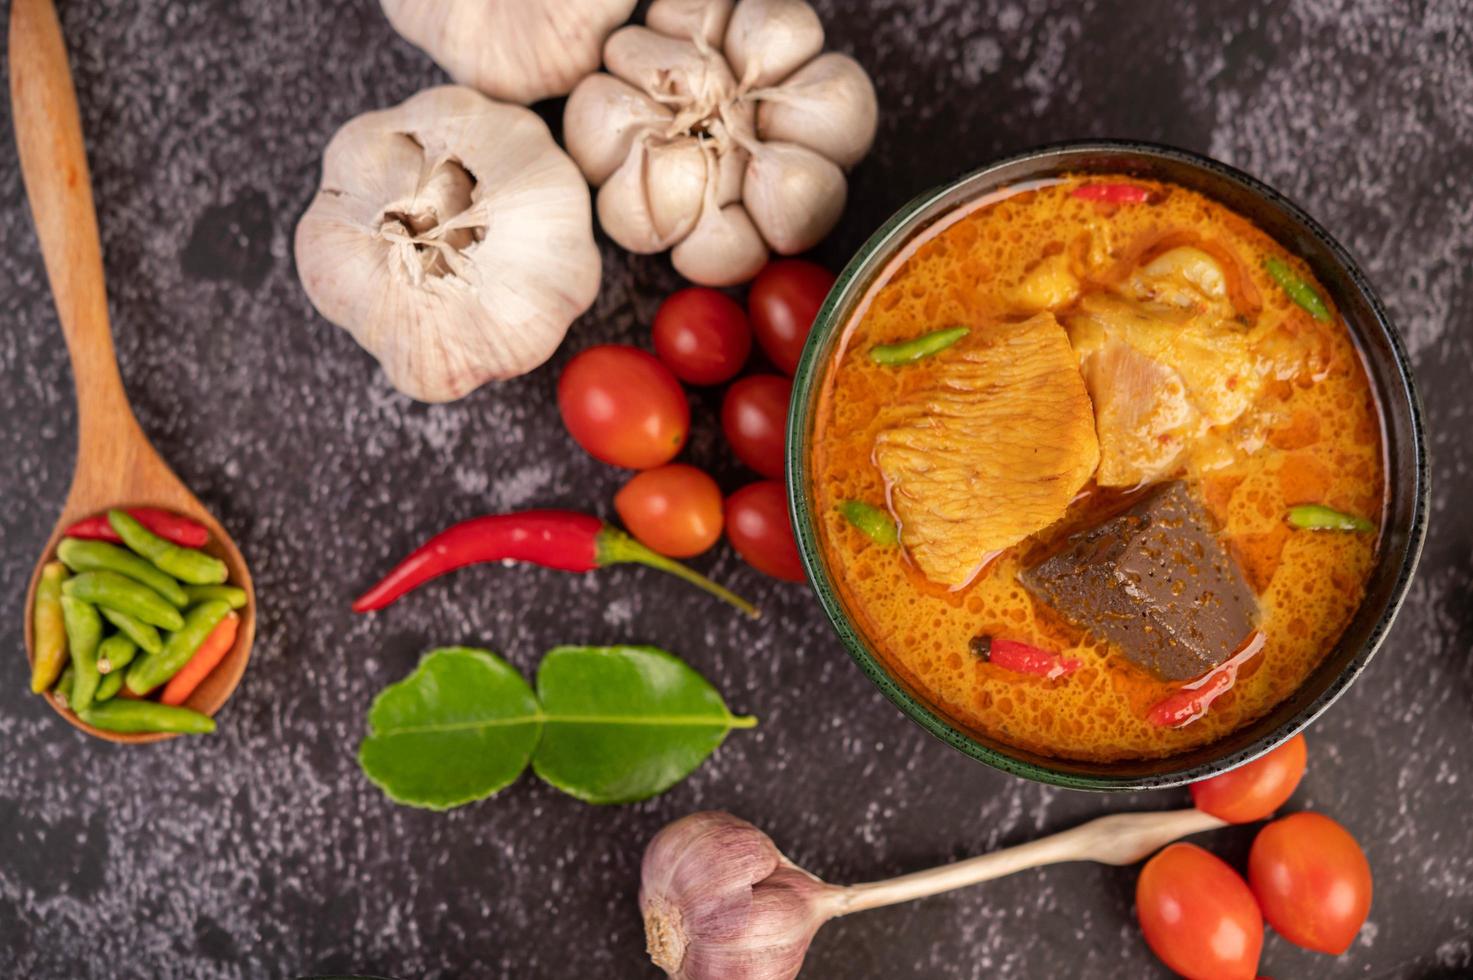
{"type": "Point", "coordinates": [1313, 881]}
{"type": "Point", "coordinates": [674, 509]}
{"type": "Point", "coordinates": [623, 406]}
{"type": "Point", "coordinates": [754, 416]}
{"type": "Point", "coordinates": [757, 525]}
{"type": "Point", "coordinates": [783, 302]}
{"type": "Point", "coordinates": [1198, 915]}
{"type": "Point", "coordinates": [1256, 789]}
{"type": "Point", "coordinates": [702, 335]}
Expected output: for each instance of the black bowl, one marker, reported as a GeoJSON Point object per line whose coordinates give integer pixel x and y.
{"type": "Point", "coordinates": [1403, 521]}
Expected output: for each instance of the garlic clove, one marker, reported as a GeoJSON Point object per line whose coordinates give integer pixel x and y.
{"type": "Point", "coordinates": [668, 69]}
{"type": "Point", "coordinates": [517, 50]}
{"type": "Point", "coordinates": [767, 40]}
{"type": "Point", "coordinates": [452, 238]}
{"type": "Point", "coordinates": [731, 171]}
{"type": "Point", "coordinates": [601, 121]}
{"type": "Point", "coordinates": [704, 19]}
{"type": "Point", "coordinates": [828, 105]}
{"type": "Point", "coordinates": [674, 186]}
{"type": "Point", "coordinates": [623, 205]}
{"type": "Point", "coordinates": [795, 195]}
{"type": "Point", "coordinates": [724, 248]}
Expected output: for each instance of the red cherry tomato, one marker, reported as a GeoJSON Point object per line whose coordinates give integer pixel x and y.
{"type": "Point", "coordinates": [783, 302]}
{"type": "Point", "coordinates": [1256, 789]}
{"type": "Point", "coordinates": [1198, 915]}
{"type": "Point", "coordinates": [1313, 881]}
{"type": "Point", "coordinates": [623, 406]}
{"type": "Point", "coordinates": [754, 416]}
{"type": "Point", "coordinates": [702, 335]}
{"type": "Point", "coordinates": [674, 509]}
{"type": "Point", "coordinates": [757, 525]}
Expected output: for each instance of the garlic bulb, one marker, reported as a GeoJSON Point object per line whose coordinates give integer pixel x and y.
{"type": "Point", "coordinates": [743, 87]}
{"type": "Point", "coordinates": [721, 902]}
{"type": "Point", "coordinates": [452, 238]}
{"type": "Point", "coordinates": [516, 50]}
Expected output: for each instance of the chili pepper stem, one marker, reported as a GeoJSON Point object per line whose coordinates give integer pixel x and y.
{"type": "Point", "coordinates": [615, 546]}
{"type": "Point", "coordinates": [1119, 839]}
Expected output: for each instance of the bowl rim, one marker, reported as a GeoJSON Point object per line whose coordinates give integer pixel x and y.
{"type": "Point", "coordinates": [878, 249]}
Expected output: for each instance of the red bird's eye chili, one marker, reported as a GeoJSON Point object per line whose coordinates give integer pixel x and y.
{"type": "Point", "coordinates": [1195, 697]}
{"type": "Point", "coordinates": [169, 526]}
{"type": "Point", "coordinates": [1023, 658]}
{"type": "Point", "coordinates": [561, 539]}
{"type": "Point", "coordinates": [1112, 193]}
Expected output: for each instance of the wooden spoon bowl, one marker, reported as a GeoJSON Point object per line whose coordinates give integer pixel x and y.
{"type": "Point", "coordinates": [116, 464]}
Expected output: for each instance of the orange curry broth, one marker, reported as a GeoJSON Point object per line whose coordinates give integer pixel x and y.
{"type": "Point", "coordinates": [1321, 443]}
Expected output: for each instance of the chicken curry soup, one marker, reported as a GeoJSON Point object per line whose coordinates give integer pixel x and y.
{"type": "Point", "coordinates": [1098, 470]}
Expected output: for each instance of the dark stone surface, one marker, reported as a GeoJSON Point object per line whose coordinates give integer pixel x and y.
{"type": "Point", "coordinates": [263, 851]}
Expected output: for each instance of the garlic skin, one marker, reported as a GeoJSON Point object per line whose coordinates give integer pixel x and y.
{"type": "Point", "coordinates": [746, 85]}
{"type": "Point", "coordinates": [514, 50]}
{"type": "Point", "coordinates": [452, 238]}
{"type": "Point", "coordinates": [721, 902]}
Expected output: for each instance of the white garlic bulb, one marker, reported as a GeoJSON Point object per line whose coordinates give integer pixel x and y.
{"type": "Point", "coordinates": [745, 87]}
{"type": "Point", "coordinates": [515, 50]}
{"type": "Point", "coordinates": [452, 238]}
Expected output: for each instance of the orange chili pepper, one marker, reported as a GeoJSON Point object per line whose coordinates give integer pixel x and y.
{"type": "Point", "coordinates": [205, 659]}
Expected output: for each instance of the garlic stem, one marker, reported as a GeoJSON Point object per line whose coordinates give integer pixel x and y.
{"type": "Point", "coordinates": [1122, 838]}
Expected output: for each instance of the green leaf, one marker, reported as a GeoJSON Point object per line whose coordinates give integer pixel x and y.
{"type": "Point", "coordinates": [625, 723]}
{"type": "Point", "coordinates": [458, 729]}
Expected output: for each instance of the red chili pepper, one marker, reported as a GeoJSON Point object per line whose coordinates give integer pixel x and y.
{"type": "Point", "coordinates": [1023, 658]}
{"type": "Point", "coordinates": [1112, 193]}
{"type": "Point", "coordinates": [166, 524]}
{"type": "Point", "coordinates": [560, 539]}
{"type": "Point", "coordinates": [1195, 697]}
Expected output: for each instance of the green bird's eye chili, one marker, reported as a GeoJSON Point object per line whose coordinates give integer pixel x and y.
{"type": "Point", "coordinates": [1298, 289]}
{"type": "Point", "coordinates": [910, 351]}
{"type": "Point", "coordinates": [146, 636]}
{"type": "Point", "coordinates": [145, 716]}
{"type": "Point", "coordinates": [97, 556]}
{"type": "Point", "coordinates": [560, 539]}
{"type": "Point", "coordinates": [149, 671]}
{"type": "Point", "coordinates": [227, 593]}
{"type": "Point", "coordinates": [48, 629]}
{"type": "Point", "coordinates": [125, 595]}
{"type": "Point", "coordinates": [185, 564]}
{"type": "Point", "coordinates": [83, 633]}
{"type": "Point", "coordinates": [116, 652]}
{"type": "Point", "coordinates": [63, 689]}
{"type": "Point", "coordinates": [108, 686]}
{"type": "Point", "coordinates": [1318, 517]}
{"type": "Point", "coordinates": [877, 524]}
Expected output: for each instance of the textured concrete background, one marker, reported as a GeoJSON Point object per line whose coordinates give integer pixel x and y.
{"type": "Point", "coordinates": [262, 852]}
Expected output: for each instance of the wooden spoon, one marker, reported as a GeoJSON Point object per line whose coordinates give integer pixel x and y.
{"type": "Point", "coordinates": [116, 464]}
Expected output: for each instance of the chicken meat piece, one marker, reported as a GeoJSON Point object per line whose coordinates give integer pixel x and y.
{"type": "Point", "coordinates": [1163, 372]}
{"type": "Point", "coordinates": [1142, 415]}
{"type": "Point", "coordinates": [992, 447]}
{"type": "Point", "coordinates": [1184, 277]}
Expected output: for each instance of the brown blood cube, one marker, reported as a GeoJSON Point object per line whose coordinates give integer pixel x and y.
{"type": "Point", "coordinates": [1155, 581]}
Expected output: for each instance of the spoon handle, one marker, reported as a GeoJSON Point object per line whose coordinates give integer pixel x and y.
{"type": "Point", "coordinates": [53, 161]}
{"type": "Point", "coordinates": [1121, 838]}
